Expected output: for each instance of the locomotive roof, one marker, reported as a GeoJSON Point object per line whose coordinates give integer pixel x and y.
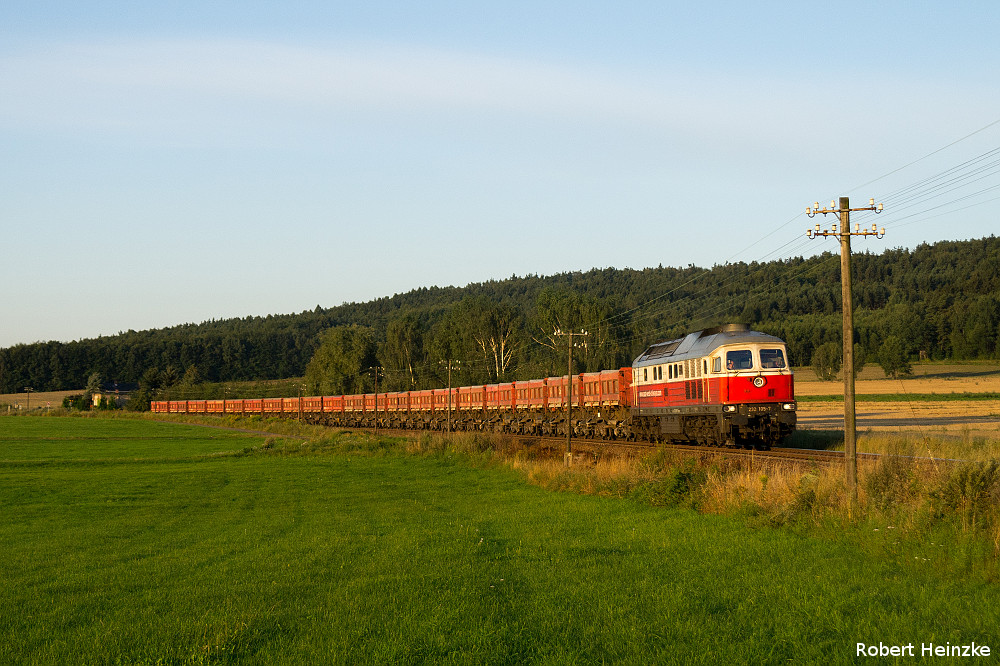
{"type": "Point", "coordinates": [701, 343]}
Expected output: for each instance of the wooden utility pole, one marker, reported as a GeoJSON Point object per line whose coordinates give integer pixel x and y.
{"type": "Point", "coordinates": [456, 364]}
{"type": "Point", "coordinates": [850, 420]}
{"type": "Point", "coordinates": [569, 393]}
{"type": "Point", "coordinates": [376, 371]}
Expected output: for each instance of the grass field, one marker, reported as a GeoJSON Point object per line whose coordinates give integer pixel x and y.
{"type": "Point", "coordinates": [197, 546]}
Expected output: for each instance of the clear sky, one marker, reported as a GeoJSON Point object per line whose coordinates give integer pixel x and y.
{"type": "Point", "coordinates": [174, 162]}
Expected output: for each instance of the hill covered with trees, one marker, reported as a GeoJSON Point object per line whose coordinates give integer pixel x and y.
{"type": "Point", "coordinates": [938, 301]}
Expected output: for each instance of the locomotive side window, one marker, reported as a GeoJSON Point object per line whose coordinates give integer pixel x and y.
{"type": "Point", "coordinates": [772, 358]}
{"type": "Point", "coordinates": [717, 364]}
{"type": "Point", "coordinates": [740, 359]}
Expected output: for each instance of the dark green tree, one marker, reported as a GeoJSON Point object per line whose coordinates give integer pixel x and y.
{"type": "Point", "coordinates": [860, 359]}
{"type": "Point", "coordinates": [826, 360]}
{"type": "Point", "coordinates": [402, 353]}
{"type": "Point", "coordinates": [894, 358]}
{"type": "Point", "coordinates": [340, 362]}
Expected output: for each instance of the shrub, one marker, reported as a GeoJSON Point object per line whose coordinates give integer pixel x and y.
{"type": "Point", "coordinates": [893, 481]}
{"type": "Point", "coordinates": [677, 487]}
{"type": "Point", "coordinates": [971, 492]}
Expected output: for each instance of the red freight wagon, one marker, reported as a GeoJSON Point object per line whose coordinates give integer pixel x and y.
{"type": "Point", "coordinates": [531, 394]}
{"type": "Point", "coordinates": [422, 401]}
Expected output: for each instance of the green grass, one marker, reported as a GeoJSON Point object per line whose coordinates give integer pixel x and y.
{"type": "Point", "coordinates": [51, 439]}
{"type": "Point", "coordinates": [387, 558]}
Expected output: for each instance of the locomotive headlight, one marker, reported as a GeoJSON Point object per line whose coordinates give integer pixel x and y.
{"type": "Point", "coordinates": [729, 408]}
{"type": "Point", "coordinates": [788, 406]}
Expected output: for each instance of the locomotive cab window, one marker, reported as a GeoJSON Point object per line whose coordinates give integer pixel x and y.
{"type": "Point", "coordinates": [772, 358]}
{"type": "Point", "coordinates": [739, 359]}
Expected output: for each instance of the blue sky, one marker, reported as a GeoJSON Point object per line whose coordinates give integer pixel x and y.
{"type": "Point", "coordinates": [221, 159]}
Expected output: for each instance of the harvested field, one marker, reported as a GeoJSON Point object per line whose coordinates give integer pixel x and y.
{"type": "Point", "coordinates": [927, 378]}
{"type": "Point", "coordinates": [916, 416]}
{"type": "Point", "coordinates": [981, 418]}
{"type": "Point", "coordinates": [39, 399]}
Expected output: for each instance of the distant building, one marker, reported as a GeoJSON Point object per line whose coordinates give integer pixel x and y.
{"type": "Point", "coordinates": [114, 391]}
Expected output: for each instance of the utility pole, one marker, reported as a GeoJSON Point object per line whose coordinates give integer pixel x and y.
{"type": "Point", "coordinates": [457, 365]}
{"type": "Point", "coordinates": [376, 371]}
{"type": "Point", "coordinates": [299, 403]}
{"type": "Point", "coordinates": [850, 421]}
{"type": "Point", "coordinates": [28, 390]}
{"type": "Point", "coordinates": [569, 392]}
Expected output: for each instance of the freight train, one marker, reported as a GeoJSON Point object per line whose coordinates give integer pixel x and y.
{"type": "Point", "coordinates": [723, 386]}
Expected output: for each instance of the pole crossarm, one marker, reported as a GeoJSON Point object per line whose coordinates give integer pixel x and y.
{"type": "Point", "coordinates": [842, 211]}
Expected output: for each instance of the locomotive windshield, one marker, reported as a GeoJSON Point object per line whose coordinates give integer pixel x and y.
{"type": "Point", "coordinates": [740, 359]}
{"type": "Point", "coordinates": [772, 358]}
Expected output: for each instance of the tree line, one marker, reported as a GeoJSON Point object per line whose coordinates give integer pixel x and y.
{"type": "Point", "coordinates": [935, 301]}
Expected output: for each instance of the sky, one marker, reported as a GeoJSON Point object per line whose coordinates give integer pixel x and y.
{"type": "Point", "coordinates": [174, 162]}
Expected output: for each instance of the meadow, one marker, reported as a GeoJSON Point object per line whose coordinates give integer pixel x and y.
{"type": "Point", "coordinates": [127, 541]}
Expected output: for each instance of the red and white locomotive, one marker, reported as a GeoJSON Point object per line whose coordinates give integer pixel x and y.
{"type": "Point", "coordinates": [725, 386]}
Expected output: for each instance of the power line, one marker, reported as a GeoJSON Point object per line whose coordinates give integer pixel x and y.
{"type": "Point", "coordinates": [920, 159]}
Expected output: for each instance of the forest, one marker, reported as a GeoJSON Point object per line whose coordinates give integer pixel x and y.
{"type": "Point", "coordinates": [939, 301]}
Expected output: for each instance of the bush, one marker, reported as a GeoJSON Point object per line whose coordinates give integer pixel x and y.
{"type": "Point", "coordinates": [893, 482]}
{"type": "Point", "coordinates": [677, 487]}
{"type": "Point", "coordinates": [971, 492]}
{"type": "Point", "coordinates": [79, 402]}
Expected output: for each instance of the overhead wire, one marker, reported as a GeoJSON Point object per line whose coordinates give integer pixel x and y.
{"type": "Point", "coordinates": [945, 182]}
{"type": "Point", "coordinates": [928, 189]}
{"type": "Point", "coordinates": [930, 154]}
